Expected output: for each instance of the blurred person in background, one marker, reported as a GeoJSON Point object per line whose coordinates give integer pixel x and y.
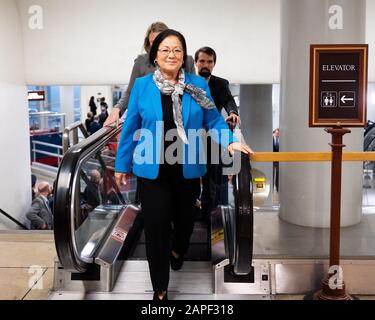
{"type": "Point", "coordinates": [40, 213]}
{"type": "Point", "coordinates": [89, 120]}
{"type": "Point", "coordinates": [92, 105]}
{"type": "Point", "coordinates": [214, 184]}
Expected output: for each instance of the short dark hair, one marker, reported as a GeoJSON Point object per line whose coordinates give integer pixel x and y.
{"type": "Point", "coordinates": [206, 50]}
{"type": "Point", "coordinates": [159, 39]}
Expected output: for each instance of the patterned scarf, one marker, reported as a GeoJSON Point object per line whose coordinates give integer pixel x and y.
{"type": "Point", "coordinates": [175, 90]}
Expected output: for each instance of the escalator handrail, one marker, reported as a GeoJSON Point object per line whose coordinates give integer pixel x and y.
{"type": "Point", "coordinates": [369, 137]}
{"type": "Point", "coordinates": [63, 204]}
{"type": "Point", "coordinates": [244, 218]}
{"type": "Point", "coordinates": [13, 219]}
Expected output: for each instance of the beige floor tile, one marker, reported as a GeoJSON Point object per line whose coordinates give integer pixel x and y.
{"type": "Point", "coordinates": [15, 282]}
{"type": "Point", "coordinates": [41, 290]}
{"type": "Point", "coordinates": [26, 236]}
{"type": "Point", "coordinates": [24, 259]}
{"type": "Point", "coordinates": [26, 254]}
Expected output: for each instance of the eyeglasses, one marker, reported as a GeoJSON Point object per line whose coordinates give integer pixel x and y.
{"type": "Point", "coordinates": [166, 51]}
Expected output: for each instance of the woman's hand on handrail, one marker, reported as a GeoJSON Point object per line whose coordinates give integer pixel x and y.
{"type": "Point", "coordinates": [113, 118]}
{"type": "Point", "coordinates": [121, 178]}
{"type": "Point", "coordinates": [238, 146]}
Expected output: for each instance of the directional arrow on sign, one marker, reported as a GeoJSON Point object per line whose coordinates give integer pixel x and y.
{"type": "Point", "coordinates": [343, 99]}
{"type": "Point", "coordinates": [347, 99]}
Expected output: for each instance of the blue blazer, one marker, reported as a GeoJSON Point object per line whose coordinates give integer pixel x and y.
{"type": "Point", "coordinates": [141, 138]}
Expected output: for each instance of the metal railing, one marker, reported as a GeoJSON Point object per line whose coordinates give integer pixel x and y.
{"type": "Point", "coordinates": [58, 153]}
{"type": "Point", "coordinates": [66, 142]}
{"type": "Point", "coordinates": [73, 128]}
{"type": "Point", "coordinates": [13, 219]}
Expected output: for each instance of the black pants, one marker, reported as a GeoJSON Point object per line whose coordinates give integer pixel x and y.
{"type": "Point", "coordinates": [166, 200]}
{"type": "Point", "coordinates": [276, 176]}
{"type": "Point", "coordinates": [214, 184]}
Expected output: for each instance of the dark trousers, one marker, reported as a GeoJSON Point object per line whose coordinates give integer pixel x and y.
{"type": "Point", "coordinates": [214, 188]}
{"type": "Point", "coordinates": [214, 184]}
{"type": "Point", "coordinates": [208, 190]}
{"type": "Point", "coordinates": [166, 200]}
{"type": "Point", "coordinates": [276, 176]}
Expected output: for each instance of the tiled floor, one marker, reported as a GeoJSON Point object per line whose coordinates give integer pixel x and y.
{"type": "Point", "coordinates": [26, 264]}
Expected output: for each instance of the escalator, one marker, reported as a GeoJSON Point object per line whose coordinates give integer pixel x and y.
{"type": "Point", "coordinates": [99, 238]}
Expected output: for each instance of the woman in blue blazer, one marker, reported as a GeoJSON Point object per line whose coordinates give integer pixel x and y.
{"type": "Point", "coordinates": [161, 143]}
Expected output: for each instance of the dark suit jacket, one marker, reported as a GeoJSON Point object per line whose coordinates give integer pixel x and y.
{"type": "Point", "coordinates": [221, 94]}
{"type": "Point", "coordinates": [94, 126]}
{"type": "Point", "coordinates": [88, 123]}
{"type": "Point", "coordinates": [39, 214]}
{"type": "Point", "coordinates": [275, 144]}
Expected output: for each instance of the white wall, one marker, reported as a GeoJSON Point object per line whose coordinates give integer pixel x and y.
{"type": "Point", "coordinates": [96, 41]}
{"type": "Point", "coordinates": [88, 91]}
{"type": "Point", "coordinates": [15, 181]}
{"type": "Point", "coordinates": [371, 102]}
{"type": "Point", "coordinates": [370, 37]}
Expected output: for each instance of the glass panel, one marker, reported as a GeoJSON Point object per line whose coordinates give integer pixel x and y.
{"type": "Point", "coordinates": [53, 96]}
{"type": "Point", "coordinates": [46, 122]}
{"type": "Point", "coordinates": [77, 103]}
{"type": "Point", "coordinates": [98, 200]}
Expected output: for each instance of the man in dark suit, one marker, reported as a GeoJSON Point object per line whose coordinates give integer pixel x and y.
{"type": "Point", "coordinates": [40, 214]}
{"type": "Point", "coordinates": [215, 186]}
{"type": "Point", "coordinates": [95, 125]}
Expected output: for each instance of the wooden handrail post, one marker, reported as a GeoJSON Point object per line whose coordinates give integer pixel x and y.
{"type": "Point", "coordinates": [333, 287]}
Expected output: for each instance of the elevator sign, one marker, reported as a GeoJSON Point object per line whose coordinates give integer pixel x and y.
{"type": "Point", "coordinates": [338, 85]}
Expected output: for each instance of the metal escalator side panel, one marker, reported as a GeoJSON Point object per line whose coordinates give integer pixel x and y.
{"type": "Point", "coordinates": [244, 219]}
{"type": "Point", "coordinates": [118, 237]}
{"type": "Point", "coordinates": [67, 203]}
{"type": "Point", "coordinates": [219, 248]}
{"type": "Point", "coordinates": [223, 234]}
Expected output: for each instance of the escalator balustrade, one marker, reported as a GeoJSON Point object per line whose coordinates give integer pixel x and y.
{"type": "Point", "coordinates": [88, 203]}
